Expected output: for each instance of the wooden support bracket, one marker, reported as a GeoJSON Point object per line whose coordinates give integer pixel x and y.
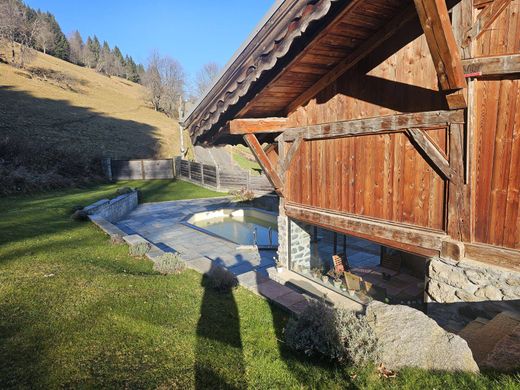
{"type": "Point", "coordinates": [431, 151]}
{"type": "Point", "coordinates": [484, 20]}
{"type": "Point", "coordinates": [264, 162]}
{"type": "Point", "coordinates": [286, 162]}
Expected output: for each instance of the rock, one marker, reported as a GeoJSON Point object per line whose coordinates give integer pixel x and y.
{"type": "Point", "coordinates": [489, 292]}
{"type": "Point", "coordinates": [441, 293]}
{"type": "Point", "coordinates": [409, 338]}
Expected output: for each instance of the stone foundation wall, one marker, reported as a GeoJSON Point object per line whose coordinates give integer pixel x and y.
{"type": "Point", "coordinates": [458, 292]}
{"type": "Point", "coordinates": [300, 235]}
{"type": "Point", "coordinates": [114, 209]}
{"type": "Point", "coordinates": [283, 235]}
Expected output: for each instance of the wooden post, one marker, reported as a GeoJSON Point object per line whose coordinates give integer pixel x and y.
{"type": "Point", "coordinates": [202, 173]}
{"type": "Point", "coordinates": [217, 174]}
{"type": "Point", "coordinates": [142, 170]}
{"type": "Point", "coordinates": [189, 170]}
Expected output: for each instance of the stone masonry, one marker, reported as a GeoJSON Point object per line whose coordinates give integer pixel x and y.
{"type": "Point", "coordinates": [457, 292]}
{"type": "Point", "coordinates": [300, 236]}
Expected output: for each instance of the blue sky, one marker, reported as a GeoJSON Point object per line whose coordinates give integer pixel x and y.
{"type": "Point", "coordinates": [193, 31]}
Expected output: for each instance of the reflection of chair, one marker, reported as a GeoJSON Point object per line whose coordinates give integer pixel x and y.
{"type": "Point", "coordinates": [375, 291]}
{"type": "Point", "coordinates": [340, 264]}
{"type": "Point", "coordinates": [391, 262]}
{"type": "Point", "coordinates": [353, 281]}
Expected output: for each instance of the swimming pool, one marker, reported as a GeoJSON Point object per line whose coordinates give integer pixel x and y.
{"type": "Point", "coordinates": [246, 226]}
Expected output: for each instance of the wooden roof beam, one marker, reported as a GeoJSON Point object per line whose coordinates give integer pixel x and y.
{"type": "Point", "coordinates": [264, 162]}
{"type": "Point", "coordinates": [257, 125]}
{"type": "Point", "coordinates": [383, 124]}
{"type": "Point", "coordinates": [436, 25]}
{"type": "Point", "coordinates": [355, 57]}
{"type": "Point", "coordinates": [492, 66]}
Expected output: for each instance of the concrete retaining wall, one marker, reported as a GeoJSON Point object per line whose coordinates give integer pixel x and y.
{"type": "Point", "coordinates": [114, 209]}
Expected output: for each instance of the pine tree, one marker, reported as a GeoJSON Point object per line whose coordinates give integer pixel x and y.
{"type": "Point", "coordinates": [131, 70]}
{"type": "Point", "coordinates": [61, 45]}
{"type": "Point", "coordinates": [119, 62]}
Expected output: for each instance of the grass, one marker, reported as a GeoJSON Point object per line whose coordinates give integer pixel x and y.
{"type": "Point", "coordinates": [53, 102]}
{"type": "Point", "coordinates": [239, 153]}
{"type": "Point", "coordinates": [76, 311]}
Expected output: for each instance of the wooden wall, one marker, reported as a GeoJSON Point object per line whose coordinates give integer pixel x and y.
{"type": "Point", "coordinates": [496, 173]}
{"type": "Point", "coordinates": [381, 176]}
{"type": "Point", "coordinates": [399, 79]}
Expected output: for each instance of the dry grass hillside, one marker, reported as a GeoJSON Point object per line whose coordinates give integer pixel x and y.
{"type": "Point", "coordinates": [53, 102]}
{"type": "Point", "coordinates": [57, 120]}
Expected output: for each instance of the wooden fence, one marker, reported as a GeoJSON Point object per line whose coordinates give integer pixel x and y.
{"type": "Point", "coordinates": [139, 169]}
{"type": "Point", "coordinates": [202, 174]}
{"type": "Point", "coordinates": [216, 178]}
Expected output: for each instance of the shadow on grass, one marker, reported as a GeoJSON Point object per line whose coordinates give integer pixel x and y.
{"type": "Point", "coordinates": [219, 344]}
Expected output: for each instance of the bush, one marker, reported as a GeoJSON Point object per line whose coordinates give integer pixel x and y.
{"type": "Point", "coordinates": [116, 239]}
{"type": "Point", "coordinates": [221, 279]}
{"type": "Point", "coordinates": [140, 249]}
{"type": "Point", "coordinates": [169, 263]}
{"type": "Point", "coordinates": [334, 333]}
{"type": "Point", "coordinates": [79, 215]}
{"type": "Point", "coordinates": [124, 190]}
{"type": "Point", "coordinates": [243, 195]}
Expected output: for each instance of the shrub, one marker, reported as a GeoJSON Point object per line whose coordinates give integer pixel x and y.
{"type": "Point", "coordinates": [116, 239]}
{"type": "Point", "coordinates": [124, 190]}
{"type": "Point", "coordinates": [169, 263]}
{"type": "Point", "coordinates": [334, 333]}
{"type": "Point", "coordinates": [243, 195]}
{"type": "Point", "coordinates": [140, 249]}
{"type": "Point", "coordinates": [79, 215]}
{"type": "Point", "coordinates": [221, 279]}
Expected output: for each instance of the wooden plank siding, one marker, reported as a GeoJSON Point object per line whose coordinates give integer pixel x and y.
{"type": "Point", "coordinates": [380, 176]}
{"type": "Point", "coordinates": [496, 152]}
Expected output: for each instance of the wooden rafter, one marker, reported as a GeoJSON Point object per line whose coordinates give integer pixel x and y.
{"type": "Point", "coordinates": [354, 57]}
{"type": "Point", "coordinates": [436, 25]}
{"type": "Point", "coordinates": [257, 125]}
{"type": "Point", "coordinates": [381, 124]}
{"type": "Point", "coordinates": [486, 17]}
{"type": "Point", "coordinates": [289, 156]}
{"type": "Point", "coordinates": [431, 151]}
{"type": "Point", "coordinates": [264, 162]}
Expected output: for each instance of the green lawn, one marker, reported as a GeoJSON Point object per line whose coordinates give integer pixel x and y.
{"type": "Point", "coordinates": [76, 311]}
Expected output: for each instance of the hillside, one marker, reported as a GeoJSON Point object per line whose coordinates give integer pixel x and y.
{"type": "Point", "coordinates": [57, 104]}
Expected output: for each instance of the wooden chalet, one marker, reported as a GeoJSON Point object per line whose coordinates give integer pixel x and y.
{"type": "Point", "coordinates": [392, 121]}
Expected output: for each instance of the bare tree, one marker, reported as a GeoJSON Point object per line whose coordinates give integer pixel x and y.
{"type": "Point", "coordinates": [44, 35]}
{"type": "Point", "coordinates": [165, 81]}
{"type": "Point", "coordinates": [205, 78]}
{"type": "Point", "coordinates": [152, 81]}
{"type": "Point", "coordinates": [76, 48]}
{"type": "Point", "coordinates": [11, 20]}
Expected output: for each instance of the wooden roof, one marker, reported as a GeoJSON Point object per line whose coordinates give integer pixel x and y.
{"type": "Point", "coordinates": [280, 68]}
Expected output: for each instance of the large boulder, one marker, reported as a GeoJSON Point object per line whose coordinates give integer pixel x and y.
{"type": "Point", "coordinates": [409, 338]}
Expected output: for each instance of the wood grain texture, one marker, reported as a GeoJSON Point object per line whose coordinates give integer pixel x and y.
{"type": "Point", "coordinates": [436, 25]}
{"type": "Point", "coordinates": [380, 176]}
{"type": "Point", "coordinates": [496, 175]}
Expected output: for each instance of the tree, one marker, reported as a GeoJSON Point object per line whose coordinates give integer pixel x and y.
{"type": "Point", "coordinates": [118, 62]}
{"type": "Point", "coordinates": [152, 81]}
{"type": "Point", "coordinates": [61, 45]}
{"type": "Point", "coordinates": [45, 38]}
{"type": "Point", "coordinates": [106, 60]}
{"type": "Point", "coordinates": [165, 82]}
{"type": "Point", "coordinates": [131, 72]}
{"type": "Point", "coordinates": [91, 52]}
{"type": "Point", "coordinates": [205, 78]}
{"type": "Point", "coordinates": [11, 19]}
{"type": "Point", "coordinates": [77, 48]}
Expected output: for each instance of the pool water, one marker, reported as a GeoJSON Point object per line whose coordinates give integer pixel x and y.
{"type": "Point", "coordinates": [243, 227]}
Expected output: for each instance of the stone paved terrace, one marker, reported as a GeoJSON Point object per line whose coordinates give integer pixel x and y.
{"type": "Point", "coordinates": [161, 224]}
